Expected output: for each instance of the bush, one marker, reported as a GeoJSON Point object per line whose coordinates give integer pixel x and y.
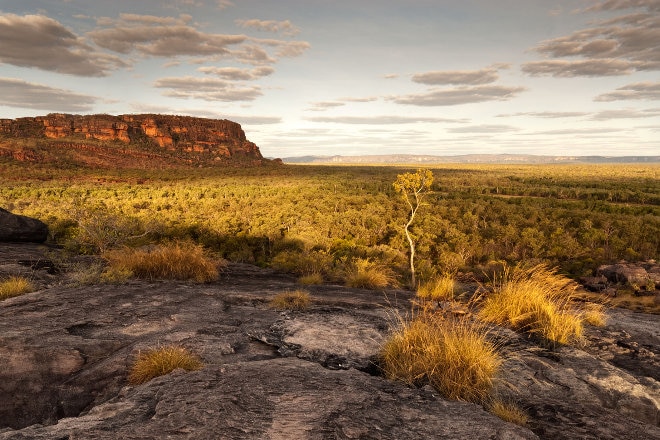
{"type": "Point", "coordinates": [160, 361]}
{"type": "Point", "coordinates": [15, 286]}
{"type": "Point", "coordinates": [536, 300]}
{"type": "Point", "coordinates": [365, 273]}
{"type": "Point", "coordinates": [451, 354]}
{"type": "Point", "coordinates": [296, 300]}
{"type": "Point", "coordinates": [313, 278]}
{"type": "Point", "coordinates": [438, 289]}
{"type": "Point", "coordinates": [178, 261]}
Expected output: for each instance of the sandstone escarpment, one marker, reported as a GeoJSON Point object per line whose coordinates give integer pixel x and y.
{"type": "Point", "coordinates": [100, 140]}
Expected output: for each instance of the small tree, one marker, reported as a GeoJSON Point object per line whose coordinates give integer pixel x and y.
{"type": "Point", "coordinates": [413, 187]}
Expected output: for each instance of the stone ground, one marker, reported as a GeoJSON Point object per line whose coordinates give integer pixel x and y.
{"type": "Point", "coordinates": [65, 351]}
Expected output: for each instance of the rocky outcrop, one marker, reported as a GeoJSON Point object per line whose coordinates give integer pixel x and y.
{"type": "Point", "coordinates": [65, 351]}
{"type": "Point", "coordinates": [642, 276]}
{"type": "Point", "coordinates": [184, 138]}
{"type": "Point", "coordinates": [18, 228]}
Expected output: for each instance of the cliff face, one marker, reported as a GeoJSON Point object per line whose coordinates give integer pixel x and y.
{"type": "Point", "coordinates": [182, 139]}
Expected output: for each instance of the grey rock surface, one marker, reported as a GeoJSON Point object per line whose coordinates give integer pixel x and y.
{"type": "Point", "coordinates": [65, 352]}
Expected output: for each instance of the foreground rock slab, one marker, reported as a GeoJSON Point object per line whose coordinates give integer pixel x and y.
{"type": "Point", "coordinates": [18, 228]}
{"type": "Point", "coordinates": [65, 352]}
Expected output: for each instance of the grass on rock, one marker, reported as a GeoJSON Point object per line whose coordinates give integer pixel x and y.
{"type": "Point", "coordinates": [160, 361]}
{"type": "Point", "coordinates": [15, 286]}
{"type": "Point", "coordinates": [452, 354]}
{"type": "Point", "coordinates": [536, 300]}
{"type": "Point", "coordinates": [439, 289]}
{"type": "Point", "coordinates": [368, 274]}
{"type": "Point", "coordinates": [177, 260]}
{"type": "Point", "coordinates": [509, 412]}
{"type": "Point", "coordinates": [295, 300]}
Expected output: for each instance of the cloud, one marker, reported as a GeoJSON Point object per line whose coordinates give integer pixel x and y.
{"type": "Point", "coordinates": [381, 120]}
{"type": "Point", "coordinates": [458, 77]}
{"type": "Point", "coordinates": [223, 4]}
{"type": "Point", "coordinates": [616, 46]}
{"type": "Point", "coordinates": [40, 42]}
{"type": "Point", "coordinates": [324, 105]}
{"type": "Point", "coordinates": [610, 5]}
{"type": "Point", "coordinates": [280, 27]}
{"type": "Point", "coordinates": [644, 90]}
{"type": "Point", "coordinates": [607, 115]}
{"type": "Point", "coordinates": [237, 74]}
{"type": "Point", "coordinates": [568, 69]}
{"type": "Point", "coordinates": [551, 115]}
{"type": "Point", "coordinates": [461, 95]}
{"type": "Point", "coordinates": [208, 89]}
{"type": "Point", "coordinates": [18, 93]}
{"type": "Point", "coordinates": [485, 128]}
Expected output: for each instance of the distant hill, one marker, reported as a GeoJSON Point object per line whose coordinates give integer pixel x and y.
{"type": "Point", "coordinates": [467, 158]}
{"type": "Point", "coordinates": [127, 141]}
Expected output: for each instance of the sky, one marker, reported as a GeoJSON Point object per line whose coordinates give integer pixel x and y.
{"type": "Point", "coordinates": [359, 77]}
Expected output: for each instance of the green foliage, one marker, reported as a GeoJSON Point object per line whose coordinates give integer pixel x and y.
{"type": "Point", "coordinates": [573, 217]}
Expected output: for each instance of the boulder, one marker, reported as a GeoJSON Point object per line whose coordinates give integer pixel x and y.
{"type": "Point", "coordinates": [630, 273]}
{"type": "Point", "coordinates": [18, 228]}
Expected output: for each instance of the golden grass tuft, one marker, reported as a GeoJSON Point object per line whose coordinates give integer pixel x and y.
{"type": "Point", "coordinates": [310, 279]}
{"type": "Point", "coordinates": [438, 289]}
{"type": "Point", "coordinates": [295, 300]}
{"type": "Point", "coordinates": [452, 354]}
{"type": "Point", "coordinates": [177, 260]}
{"type": "Point", "coordinates": [536, 300]}
{"type": "Point", "coordinates": [15, 286]}
{"type": "Point", "coordinates": [594, 314]}
{"type": "Point", "coordinates": [160, 361]}
{"type": "Point", "coordinates": [368, 274]}
{"type": "Point", "coordinates": [509, 412]}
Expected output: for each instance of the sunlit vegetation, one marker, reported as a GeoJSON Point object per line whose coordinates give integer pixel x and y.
{"type": "Point", "coordinates": [160, 361]}
{"type": "Point", "coordinates": [440, 288]}
{"type": "Point", "coordinates": [538, 301]}
{"type": "Point", "coordinates": [15, 286]}
{"type": "Point", "coordinates": [177, 261]}
{"type": "Point", "coordinates": [322, 220]}
{"type": "Point", "coordinates": [451, 354]}
{"type": "Point", "coordinates": [295, 300]}
{"type": "Point", "coordinates": [508, 412]}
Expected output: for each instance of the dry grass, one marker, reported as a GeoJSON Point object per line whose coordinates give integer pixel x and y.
{"type": "Point", "coordinates": [296, 300]}
{"type": "Point", "coordinates": [368, 274]}
{"type": "Point", "coordinates": [594, 314]}
{"type": "Point", "coordinates": [177, 260]}
{"type": "Point", "coordinates": [509, 412]}
{"type": "Point", "coordinates": [451, 354]}
{"type": "Point", "coordinates": [438, 289]}
{"type": "Point", "coordinates": [15, 286]}
{"type": "Point", "coordinates": [313, 278]}
{"type": "Point", "coordinates": [160, 361]}
{"type": "Point", "coordinates": [535, 300]}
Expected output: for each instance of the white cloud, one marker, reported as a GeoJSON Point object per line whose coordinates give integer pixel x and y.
{"type": "Point", "coordinates": [550, 115]}
{"type": "Point", "coordinates": [237, 74]}
{"type": "Point", "coordinates": [645, 91]}
{"type": "Point", "coordinates": [281, 27]}
{"type": "Point", "coordinates": [40, 42]}
{"type": "Point", "coordinates": [461, 95]}
{"type": "Point", "coordinates": [208, 89]}
{"type": "Point", "coordinates": [568, 69]}
{"type": "Point", "coordinates": [458, 77]}
{"type": "Point", "coordinates": [381, 120]}
{"type": "Point", "coordinates": [484, 128]}
{"type": "Point", "coordinates": [18, 93]}
{"type": "Point", "coordinates": [607, 115]}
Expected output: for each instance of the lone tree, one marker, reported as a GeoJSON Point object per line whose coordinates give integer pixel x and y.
{"type": "Point", "coordinates": [413, 187]}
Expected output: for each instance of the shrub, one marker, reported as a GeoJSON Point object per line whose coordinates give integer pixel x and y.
{"type": "Point", "coordinates": [451, 354]}
{"type": "Point", "coordinates": [535, 300]}
{"type": "Point", "coordinates": [509, 412]}
{"type": "Point", "coordinates": [177, 260]}
{"type": "Point", "coordinates": [296, 300]}
{"type": "Point", "coordinates": [15, 286]}
{"type": "Point", "coordinates": [313, 278]}
{"type": "Point", "coordinates": [365, 273]}
{"type": "Point", "coordinates": [160, 361]}
{"type": "Point", "coordinates": [438, 289]}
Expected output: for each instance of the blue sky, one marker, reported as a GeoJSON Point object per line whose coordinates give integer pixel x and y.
{"type": "Point", "coordinates": [311, 77]}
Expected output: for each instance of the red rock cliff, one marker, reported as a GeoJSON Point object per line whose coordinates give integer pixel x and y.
{"type": "Point", "coordinates": [183, 136]}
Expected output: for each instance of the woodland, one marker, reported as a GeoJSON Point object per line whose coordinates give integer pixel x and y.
{"type": "Point", "coordinates": [326, 220]}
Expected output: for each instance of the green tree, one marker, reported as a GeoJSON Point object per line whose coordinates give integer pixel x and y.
{"type": "Point", "coordinates": [413, 187]}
